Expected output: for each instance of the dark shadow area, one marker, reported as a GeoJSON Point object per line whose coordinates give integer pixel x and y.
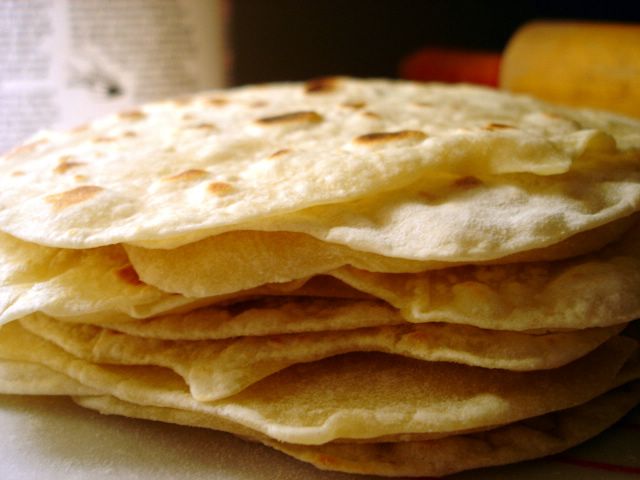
{"type": "Point", "coordinates": [299, 39]}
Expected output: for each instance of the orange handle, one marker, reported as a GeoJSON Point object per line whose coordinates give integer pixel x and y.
{"type": "Point", "coordinates": [452, 65]}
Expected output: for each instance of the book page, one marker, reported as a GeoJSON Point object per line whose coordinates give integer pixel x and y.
{"type": "Point", "coordinates": [63, 62]}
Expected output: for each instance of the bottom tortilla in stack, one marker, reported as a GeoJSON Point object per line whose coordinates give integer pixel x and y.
{"type": "Point", "coordinates": [423, 413]}
{"type": "Point", "coordinates": [533, 438]}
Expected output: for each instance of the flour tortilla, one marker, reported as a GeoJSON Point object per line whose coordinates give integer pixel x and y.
{"type": "Point", "coordinates": [240, 260]}
{"type": "Point", "coordinates": [99, 285]}
{"type": "Point", "coordinates": [527, 439]}
{"type": "Point", "coordinates": [538, 437]}
{"type": "Point", "coordinates": [474, 220]}
{"type": "Point", "coordinates": [265, 316]}
{"type": "Point", "coordinates": [76, 283]}
{"type": "Point", "coordinates": [594, 290]}
{"type": "Point", "coordinates": [219, 369]}
{"type": "Point", "coordinates": [356, 396]}
{"type": "Point", "coordinates": [290, 158]}
{"type": "Point", "coordinates": [26, 378]}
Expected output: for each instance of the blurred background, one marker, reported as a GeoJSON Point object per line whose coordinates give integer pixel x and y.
{"type": "Point", "coordinates": [298, 39]}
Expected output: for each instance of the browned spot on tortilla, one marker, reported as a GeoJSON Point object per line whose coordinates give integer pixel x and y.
{"type": "Point", "coordinates": [188, 116]}
{"type": "Point", "coordinates": [191, 174]}
{"type": "Point", "coordinates": [62, 200]}
{"type": "Point", "coordinates": [181, 101]}
{"type": "Point", "coordinates": [17, 173]}
{"type": "Point", "coordinates": [371, 114]}
{"type": "Point", "coordinates": [377, 138]}
{"type": "Point", "coordinates": [497, 126]}
{"type": "Point", "coordinates": [423, 104]}
{"type": "Point", "coordinates": [557, 116]}
{"type": "Point", "coordinates": [132, 115]}
{"type": "Point", "coordinates": [419, 336]}
{"type": "Point", "coordinates": [204, 126]}
{"type": "Point", "coordinates": [80, 178]}
{"type": "Point", "coordinates": [354, 105]}
{"type": "Point", "coordinates": [129, 275]}
{"type": "Point", "coordinates": [428, 196]}
{"type": "Point", "coordinates": [66, 163]}
{"type": "Point", "coordinates": [291, 118]}
{"type": "Point", "coordinates": [217, 101]}
{"type": "Point", "coordinates": [129, 134]}
{"type": "Point", "coordinates": [259, 104]}
{"type": "Point", "coordinates": [467, 182]}
{"type": "Point", "coordinates": [104, 139]}
{"type": "Point", "coordinates": [280, 153]}
{"type": "Point", "coordinates": [553, 115]}
{"type": "Point", "coordinates": [276, 341]}
{"type": "Point", "coordinates": [81, 128]}
{"type": "Point", "coordinates": [219, 188]}
{"type": "Point", "coordinates": [27, 148]}
{"type": "Point", "coordinates": [322, 85]}
{"type": "Point", "coordinates": [327, 460]}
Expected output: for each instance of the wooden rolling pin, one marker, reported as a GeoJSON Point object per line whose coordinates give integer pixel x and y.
{"type": "Point", "coordinates": [584, 64]}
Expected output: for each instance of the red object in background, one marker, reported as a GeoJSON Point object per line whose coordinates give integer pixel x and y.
{"type": "Point", "coordinates": [452, 66]}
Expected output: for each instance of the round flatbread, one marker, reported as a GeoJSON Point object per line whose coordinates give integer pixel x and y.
{"type": "Point", "coordinates": [355, 162]}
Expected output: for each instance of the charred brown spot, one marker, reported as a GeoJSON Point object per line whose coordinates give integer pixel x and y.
{"type": "Point", "coordinates": [66, 163]}
{"type": "Point", "coordinates": [498, 126]}
{"type": "Point", "coordinates": [80, 178]}
{"type": "Point", "coordinates": [428, 196]}
{"type": "Point", "coordinates": [181, 101]}
{"type": "Point", "coordinates": [27, 148]}
{"type": "Point", "coordinates": [104, 139]}
{"type": "Point", "coordinates": [558, 117]}
{"type": "Point", "coordinates": [133, 115]}
{"type": "Point", "coordinates": [204, 126]}
{"type": "Point", "coordinates": [192, 174]}
{"type": "Point", "coordinates": [291, 118]}
{"type": "Point", "coordinates": [81, 128]}
{"type": "Point", "coordinates": [70, 197]}
{"type": "Point", "coordinates": [377, 138]}
{"type": "Point", "coordinates": [327, 460]}
{"type": "Point", "coordinates": [128, 275]}
{"type": "Point", "coordinates": [17, 173]}
{"type": "Point", "coordinates": [280, 153]}
{"type": "Point", "coordinates": [373, 115]}
{"type": "Point", "coordinates": [129, 134]}
{"type": "Point", "coordinates": [188, 116]}
{"type": "Point", "coordinates": [354, 105]}
{"type": "Point", "coordinates": [217, 101]}
{"type": "Point", "coordinates": [259, 104]}
{"type": "Point", "coordinates": [423, 104]}
{"type": "Point", "coordinates": [419, 336]}
{"type": "Point", "coordinates": [322, 85]}
{"type": "Point", "coordinates": [219, 188]}
{"type": "Point", "coordinates": [467, 182]}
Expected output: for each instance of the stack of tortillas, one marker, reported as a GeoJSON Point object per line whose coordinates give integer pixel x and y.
{"type": "Point", "coordinates": [371, 276]}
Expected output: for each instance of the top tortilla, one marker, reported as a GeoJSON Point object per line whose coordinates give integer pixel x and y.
{"type": "Point", "coordinates": [175, 172]}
